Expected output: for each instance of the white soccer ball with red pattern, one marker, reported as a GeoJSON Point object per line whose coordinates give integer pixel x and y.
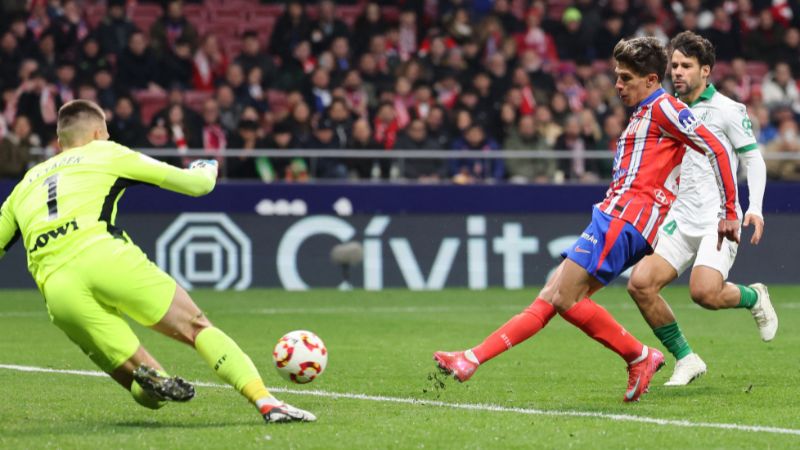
{"type": "Point", "coordinates": [300, 356]}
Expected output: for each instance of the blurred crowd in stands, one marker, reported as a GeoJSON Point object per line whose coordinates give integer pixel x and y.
{"type": "Point", "coordinates": [412, 75]}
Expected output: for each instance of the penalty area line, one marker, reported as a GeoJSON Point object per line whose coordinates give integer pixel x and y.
{"type": "Point", "coordinates": [464, 406]}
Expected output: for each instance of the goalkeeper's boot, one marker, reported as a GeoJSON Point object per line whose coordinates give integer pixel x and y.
{"type": "Point", "coordinates": [641, 372]}
{"type": "Point", "coordinates": [162, 386]}
{"type": "Point", "coordinates": [285, 413]}
{"type": "Point", "coordinates": [456, 364]}
{"type": "Point", "coordinates": [764, 313]}
{"type": "Point", "coordinates": [687, 369]}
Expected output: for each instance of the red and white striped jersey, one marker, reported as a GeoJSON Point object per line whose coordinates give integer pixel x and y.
{"type": "Point", "coordinates": [648, 160]}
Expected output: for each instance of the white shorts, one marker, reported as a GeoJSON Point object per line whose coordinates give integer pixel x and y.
{"type": "Point", "coordinates": [682, 251]}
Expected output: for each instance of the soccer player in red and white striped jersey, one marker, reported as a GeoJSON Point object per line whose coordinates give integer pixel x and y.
{"type": "Point", "coordinates": [624, 224]}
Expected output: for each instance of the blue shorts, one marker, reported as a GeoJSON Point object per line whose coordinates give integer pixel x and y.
{"type": "Point", "coordinates": [607, 247]}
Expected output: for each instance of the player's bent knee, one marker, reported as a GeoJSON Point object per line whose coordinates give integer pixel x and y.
{"type": "Point", "coordinates": [641, 291]}
{"type": "Point", "coordinates": [560, 302]}
{"type": "Point", "coordinates": [705, 296]}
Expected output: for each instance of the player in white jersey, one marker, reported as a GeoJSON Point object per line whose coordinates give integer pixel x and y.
{"type": "Point", "coordinates": [688, 236]}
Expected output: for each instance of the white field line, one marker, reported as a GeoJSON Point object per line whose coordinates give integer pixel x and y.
{"type": "Point", "coordinates": [467, 406]}
{"type": "Point", "coordinates": [388, 309]}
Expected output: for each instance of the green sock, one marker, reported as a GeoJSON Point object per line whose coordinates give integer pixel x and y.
{"type": "Point", "coordinates": [749, 296]}
{"type": "Point", "coordinates": [672, 337]}
{"type": "Point", "coordinates": [226, 358]}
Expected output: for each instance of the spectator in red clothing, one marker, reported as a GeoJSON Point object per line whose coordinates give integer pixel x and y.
{"type": "Point", "coordinates": [386, 126]}
{"type": "Point", "coordinates": [39, 19]}
{"type": "Point", "coordinates": [210, 64]}
{"type": "Point", "coordinates": [408, 35]}
{"type": "Point", "coordinates": [215, 139]}
{"type": "Point", "coordinates": [355, 93]}
{"type": "Point", "coordinates": [536, 39]}
{"type": "Point", "coordinates": [744, 82]}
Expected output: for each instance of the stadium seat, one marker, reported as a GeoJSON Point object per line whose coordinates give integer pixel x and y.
{"type": "Point", "coordinates": [555, 8]}
{"type": "Point", "coordinates": [276, 98]}
{"type": "Point", "coordinates": [94, 14]}
{"type": "Point", "coordinates": [261, 11]}
{"type": "Point", "coordinates": [150, 103]}
{"type": "Point", "coordinates": [518, 8]}
{"type": "Point", "coordinates": [194, 99]}
{"type": "Point", "coordinates": [195, 13]}
{"type": "Point", "coordinates": [601, 66]}
{"type": "Point", "coordinates": [232, 47]}
{"type": "Point", "coordinates": [144, 15]}
{"type": "Point", "coordinates": [757, 70]}
{"type": "Point", "coordinates": [349, 13]}
{"type": "Point", "coordinates": [721, 70]}
{"type": "Point", "coordinates": [390, 13]}
{"type": "Point", "coordinates": [228, 13]}
{"type": "Point", "coordinates": [223, 30]}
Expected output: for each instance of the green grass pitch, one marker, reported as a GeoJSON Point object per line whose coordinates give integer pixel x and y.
{"type": "Point", "coordinates": [380, 344]}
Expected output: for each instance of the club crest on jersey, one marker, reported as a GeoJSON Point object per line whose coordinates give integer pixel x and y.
{"type": "Point", "coordinates": [661, 197]}
{"type": "Point", "coordinates": [687, 120]}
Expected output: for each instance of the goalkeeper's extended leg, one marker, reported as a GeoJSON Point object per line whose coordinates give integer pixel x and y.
{"type": "Point", "coordinates": [185, 322]}
{"type": "Point", "coordinates": [148, 383]}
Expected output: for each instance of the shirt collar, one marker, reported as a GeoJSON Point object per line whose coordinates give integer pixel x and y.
{"type": "Point", "coordinates": [651, 97]}
{"type": "Point", "coordinates": [709, 92]}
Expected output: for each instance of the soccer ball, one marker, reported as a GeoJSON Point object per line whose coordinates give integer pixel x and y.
{"type": "Point", "coordinates": [300, 356]}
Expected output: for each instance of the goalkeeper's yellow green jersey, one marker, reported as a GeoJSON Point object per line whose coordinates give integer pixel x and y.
{"type": "Point", "coordinates": [69, 202]}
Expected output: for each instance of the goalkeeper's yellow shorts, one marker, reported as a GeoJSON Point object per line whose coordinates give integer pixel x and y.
{"type": "Point", "coordinates": [87, 297]}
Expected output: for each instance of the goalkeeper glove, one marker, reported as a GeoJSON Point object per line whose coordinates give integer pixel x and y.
{"type": "Point", "coordinates": [203, 163]}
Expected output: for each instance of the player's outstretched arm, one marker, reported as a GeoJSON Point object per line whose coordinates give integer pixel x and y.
{"type": "Point", "coordinates": [197, 180]}
{"type": "Point", "coordinates": [756, 171]}
{"type": "Point", "coordinates": [9, 231]}
{"type": "Point", "coordinates": [677, 119]}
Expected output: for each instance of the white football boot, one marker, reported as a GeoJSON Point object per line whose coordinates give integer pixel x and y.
{"type": "Point", "coordinates": [764, 313]}
{"type": "Point", "coordinates": [286, 413]}
{"type": "Point", "coordinates": [686, 370]}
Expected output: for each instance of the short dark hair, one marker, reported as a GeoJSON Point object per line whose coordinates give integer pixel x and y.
{"type": "Point", "coordinates": [694, 46]}
{"type": "Point", "coordinates": [643, 55]}
{"type": "Point", "coordinates": [74, 114]}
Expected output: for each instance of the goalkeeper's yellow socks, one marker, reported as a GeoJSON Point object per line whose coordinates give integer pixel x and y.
{"type": "Point", "coordinates": [232, 365]}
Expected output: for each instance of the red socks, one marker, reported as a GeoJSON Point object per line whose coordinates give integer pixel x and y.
{"type": "Point", "coordinates": [598, 323]}
{"type": "Point", "coordinates": [519, 328]}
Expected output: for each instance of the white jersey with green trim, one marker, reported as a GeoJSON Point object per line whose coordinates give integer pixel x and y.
{"type": "Point", "coordinates": [696, 208]}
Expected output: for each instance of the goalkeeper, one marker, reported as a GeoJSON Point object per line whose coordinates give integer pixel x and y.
{"type": "Point", "coordinates": [90, 272]}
